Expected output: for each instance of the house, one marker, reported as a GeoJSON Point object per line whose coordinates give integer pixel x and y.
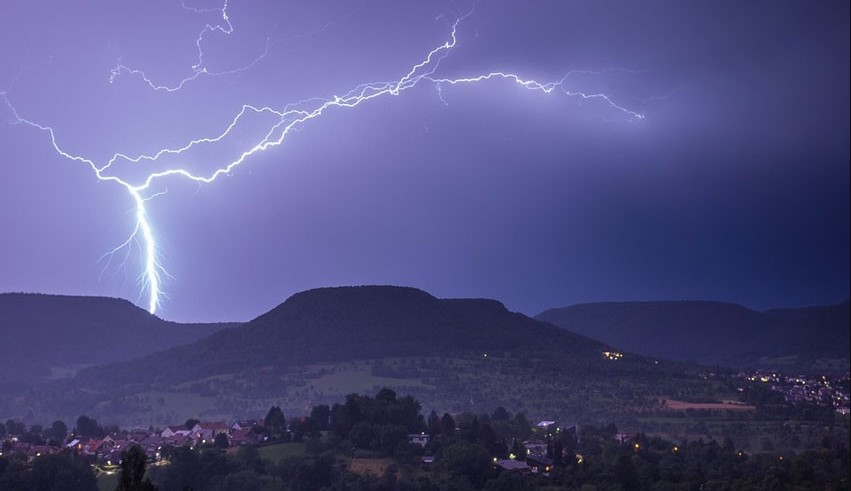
{"type": "Point", "coordinates": [545, 425]}
{"type": "Point", "coordinates": [420, 439]}
{"type": "Point", "coordinates": [174, 430]}
{"type": "Point", "coordinates": [243, 436]}
{"type": "Point", "coordinates": [623, 437]}
{"type": "Point", "coordinates": [539, 464]}
{"type": "Point", "coordinates": [178, 441]}
{"type": "Point", "coordinates": [535, 447]}
{"type": "Point", "coordinates": [91, 446]}
{"type": "Point", "coordinates": [121, 445]}
{"type": "Point", "coordinates": [100, 446]}
{"type": "Point", "coordinates": [40, 450]}
{"type": "Point", "coordinates": [517, 466]}
{"type": "Point", "coordinates": [207, 430]}
{"type": "Point", "coordinates": [245, 424]}
{"type": "Point", "coordinates": [110, 458]}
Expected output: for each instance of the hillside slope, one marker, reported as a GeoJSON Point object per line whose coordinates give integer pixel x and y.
{"type": "Point", "coordinates": [52, 335]}
{"type": "Point", "coordinates": [813, 338]}
{"type": "Point", "coordinates": [452, 354]}
{"type": "Point", "coordinates": [352, 323]}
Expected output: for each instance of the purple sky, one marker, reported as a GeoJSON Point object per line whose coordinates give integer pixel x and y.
{"type": "Point", "coordinates": [734, 187]}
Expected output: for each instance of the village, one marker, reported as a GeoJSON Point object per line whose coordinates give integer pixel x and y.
{"type": "Point", "coordinates": [105, 452]}
{"type": "Point", "coordinates": [832, 390]}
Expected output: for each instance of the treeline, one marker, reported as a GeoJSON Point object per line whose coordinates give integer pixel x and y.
{"type": "Point", "coordinates": [464, 446]}
{"type": "Point", "coordinates": [56, 434]}
{"type": "Point", "coordinates": [464, 451]}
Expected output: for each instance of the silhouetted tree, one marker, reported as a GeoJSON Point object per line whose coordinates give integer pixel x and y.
{"type": "Point", "coordinates": [15, 427]}
{"type": "Point", "coordinates": [58, 431]}
{"type": "Point", "coordinates": [221, 441]}
{"type": "Point", "coordinates": [88, 427]}
{"type": "Point", "coordinates": [433, 423]}
{"type": "Point", "coordinates": [447, 425]}
{"type": "Point", "coordinates": [517, 450]}
{"type": "Point", "coordinates": [275, 419]}
{"type": "Point", "coordinates": [468, 460]}
{"type": "Point", "coordinates": [62, 471]}
{"type": "Point", "coordinates": [132, 476]}
{"type": "Point", "coordinates": [321, 415]}
{"type": "Point", "coordinates": [385, 394]}
{"type": "Point", "coordinates": [500, 414]}
{"type": "Point", "coordinates": [558, 452]}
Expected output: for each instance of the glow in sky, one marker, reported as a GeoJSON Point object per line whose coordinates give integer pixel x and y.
{"type": "Point", "coordinates": [490, 149]}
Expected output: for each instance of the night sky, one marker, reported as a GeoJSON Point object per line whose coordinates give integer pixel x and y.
{"type": "Point", "coordinates": [734, 187]}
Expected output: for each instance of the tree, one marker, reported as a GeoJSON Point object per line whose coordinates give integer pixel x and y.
{"type": "Point", "coordinates": [558, 452]}
{"type": "Point", "coordinates": [15, 428]}
{"type": "Point", "coordinates": [62, 471]}
{"type": "Point", "coordinates": [35, 435]}
{"type": "Point", "coordinates": [517, 450]}
{"type": "Point", "coordinates": [321, 415]}
{"type": "Point", "coordinates": [132, 476]}
{"type": "Point", "coordinates": [190, 423]}
{"type": "Point", "coordinates": [88, 427]}
{"type": "Point", "coordinates": [469, 460]}
{"type": "Point", "coordinates": [362, 435]}
{"type": "Point", "coordinates": [221, 441]}
{"type": "Point", "coordinates": [447, 425]}
{"type": "Point", "coordinates": [58, 431]}
{"type": "Point", "coordinates": [275, 420]}
{"type": "Point", "coordinates": [500, 414]}
{"type": "Point", "coordinates": [625, 473]}
{"type": "Point", "coordinates": [433, 423]}
{"type": "Point", "coordinates": [391, 436]}
{"type": "Point", "coordinates": [385, 394]}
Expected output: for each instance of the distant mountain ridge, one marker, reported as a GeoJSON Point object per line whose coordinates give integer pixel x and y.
{"type": "Point", "coordinates": [811, 338]}
{"type": "Point", "coordinates": [47, 335]}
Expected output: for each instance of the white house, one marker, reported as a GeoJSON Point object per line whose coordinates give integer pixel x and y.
{"type": "Point", "coordinates": [207, 430]}
{"type": "Point", "coordinates": [420, 439]}
{"type": "Point", "coordinates": [175, 430]}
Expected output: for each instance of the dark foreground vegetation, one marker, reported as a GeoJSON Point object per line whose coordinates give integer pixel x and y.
{"type": "Point", "coordinates": [386, 443]}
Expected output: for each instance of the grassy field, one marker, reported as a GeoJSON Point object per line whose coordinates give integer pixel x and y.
{"type": "Point", "coordinates": [376, 467]}
{"type": "Point", "coordinates": [360, 380]}
{"type": "Point", "coordinates": [281, 451]}
{"type": "Point", "coordinates": [676, 405]}
{"type": "Point", "coordinates": [107, 482]}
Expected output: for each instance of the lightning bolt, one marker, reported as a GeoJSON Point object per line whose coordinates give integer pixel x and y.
{"type": "Point", "coordinates": [198, 69]}
{"type": "Point", "coordinates": [284, 121]}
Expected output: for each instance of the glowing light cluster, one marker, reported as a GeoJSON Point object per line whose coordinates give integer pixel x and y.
{"type": "Point", "coordinates": [285, 120]}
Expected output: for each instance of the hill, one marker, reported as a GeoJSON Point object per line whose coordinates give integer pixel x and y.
{"type": "Point", "coordinates": [317, 346]}
{"type": "Point", "coordinates": [329, 325]}
{"type": "Point", "coordinates": [809, 339]}
{"type": "Point", "coordinates": [52, 335]}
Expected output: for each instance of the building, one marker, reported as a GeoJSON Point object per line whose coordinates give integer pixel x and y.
{"type": "Point", "coordinates": [207, 430]}
{"type": "Point", "coordinates": [509, 465]}
{"type": "Point", "coordinates": [540, 464]}
{"type": "Point", "coordinates": [420, 439]}
{"type": "Point", "coordinates": [175, 430]}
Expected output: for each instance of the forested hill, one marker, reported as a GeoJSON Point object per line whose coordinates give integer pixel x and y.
{"type": "Point", "coordinates": [354, 323]}
{"type": "Point", "coordinates": [46, 335]}
{"type": "Point", "coordinates": [809, 339]}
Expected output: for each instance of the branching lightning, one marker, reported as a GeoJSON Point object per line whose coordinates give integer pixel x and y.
{"type": "Point", "coordinates": [285, 120]}
{"type": "Point", "coordinates": [199, 68]}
